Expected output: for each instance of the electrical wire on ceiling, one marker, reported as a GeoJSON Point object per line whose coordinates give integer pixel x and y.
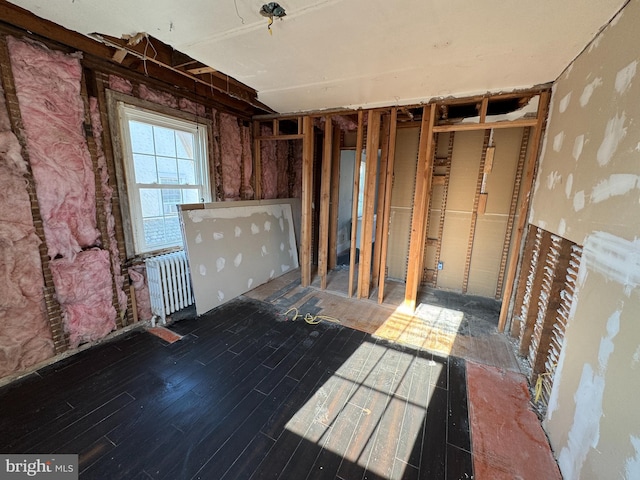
{"type": "Point", "coordinates": [271, 10]}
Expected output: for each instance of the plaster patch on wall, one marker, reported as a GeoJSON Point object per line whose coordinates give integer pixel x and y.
{"type": "Point", "coordinates": [578, 201]}
{"type": "Point", "coordinates": [263, 250]}
{"type": "Point", "coordinates": [285, 268]}
{"type": "Point", "coordinates": [558, 140]}
{"type": "Point", "coordinates": [255, 229]}
{"type": "Point", "coordinates": [282, 246]}
{"type": "Point", "coordinates": [585, 430]}
{"type": "Point", "coordinates": [564, 103]}
{"type": "Point", "coordinates": [220, 261]}
{"type": "Point", "coordinates": [553, 179]}
{"type": "Point", "coordinates": [613, 134]}
{"type": "Point", "coordinates": [636, 357]}
{"type": "Point", "coordinates": [624, 77]}
{"type": "Point", "coordinates": [237, 232]}
{"type": "Point", "coordinates": [594, 44]}
{"type": "Point", "coordinates": [542, 224]}
{"type": "Point", "coordinates": [614, 257]}
{"type": "Point", "coordinates": [249, 283]}
{"type": "Point", "coordinates": [203, 270]}
{"type": "Point", "coordinates": [238, 260]}
{"type": "Point", "coordinates": [617, 184]}
{"type": "Point", "coordinates": [272, 273]}
{"type": "Point", "coordinates": [198, 238]}
{"type": "Point", "coordinates": [267, 226]}
{"type": "Point", "coordinates": [632, 465]}
{"type": "Point", "coordinates": [569, 185]}
{"type": "Point", "coordinates": [220, 295]}
{"type": "Point", "coordinates": [588, 91]}
{"type": "Point", "coordinates": [578, 144]}
{"type": "Point", "coordinates": [568, 71]}
{"type": "Point", "coordinates": [562, 227]}
{"type": "Point", "coordinates": [218, 236]}
{"type": "Point", "coordinates": [281, 221]}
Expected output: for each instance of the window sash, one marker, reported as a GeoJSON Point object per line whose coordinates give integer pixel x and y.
{"type": "Point", "coordinates": [165, 221]}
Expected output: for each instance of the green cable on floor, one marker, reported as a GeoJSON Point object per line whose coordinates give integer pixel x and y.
{"type": "Point", "coordinates": [309, 318]}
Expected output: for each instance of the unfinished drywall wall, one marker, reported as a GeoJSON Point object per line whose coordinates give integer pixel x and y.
{"type": "Point", "coordinates": [25, 336]}
{"type": "Point", "coordinates": [587, 190]}
{"type": "Point", "coordinates": [234, 248]}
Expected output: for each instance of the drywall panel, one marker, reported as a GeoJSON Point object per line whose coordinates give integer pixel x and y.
{"type": "Point", "coordinates": [486, 255]}
{"type": "Point", "coordinates": [590, 164]}
{"type": "Point", "coordinates": [404, 172]}
{"type": "Point", "coordinates": [235, 247]}
{"type": "Point", "coordinates": [454, 249]}
{"type": "Point", "coordinates": [467, 151]}
{"type": "Point", "coordinates": [587, 190]}
{"type": "Point", "coordinates": [499, 182]}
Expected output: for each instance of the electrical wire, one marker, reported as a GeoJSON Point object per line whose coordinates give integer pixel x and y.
{"type": "Point", "coordinates": [308, 317]}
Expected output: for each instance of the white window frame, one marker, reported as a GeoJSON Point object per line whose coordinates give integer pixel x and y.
{"type": "Point", "coordinates": [128, 112]}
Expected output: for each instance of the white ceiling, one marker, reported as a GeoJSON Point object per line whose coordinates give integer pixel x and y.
{"type": "Point", "coordinates": [351, 53]}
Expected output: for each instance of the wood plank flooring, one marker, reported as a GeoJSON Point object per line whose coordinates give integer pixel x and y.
{"type": "Point", "coordinates": [247, 395]}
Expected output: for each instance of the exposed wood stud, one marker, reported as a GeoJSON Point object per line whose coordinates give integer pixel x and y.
{"type": "Point", "coordinates": [467, 127]}
{"type": "Point", "coordinates": [53, 308]}
{"type": "Point", "coordinates": [483, 109]}
{"type": "Point", "coordinates": [307, 200]}
{"type": "Point", "coordinates": [366, 233]}
{"type": "Point", "coordinates": [325, 192]}
{"type": "Point", "coordinates": [354, 200]}
{"type": "Point", "coordinates": [474, 213]}
{"type": "Point", "coordinates": [334, 199]}
{"type": "Point", "coordinates": [101, 218]}
{"type": "Point", "coordinates": [386, 216]}
{"type": "Point", "coordinates": [382, 181]}
{"type": "Point", "coordinates": [420, 206]}
{"type": "Point", "coordinates": [524, 144]}
{"type": "Point", "coordinates": [524, 205]}
{"type": "Point", "coordinates": [107, 147]}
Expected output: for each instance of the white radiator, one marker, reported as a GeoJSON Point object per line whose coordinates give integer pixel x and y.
{"type": "Point", "coordinates": [169, 285]}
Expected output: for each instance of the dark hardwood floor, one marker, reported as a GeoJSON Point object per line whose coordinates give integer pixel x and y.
{"type": "Point", "coordinates": [246, 395]}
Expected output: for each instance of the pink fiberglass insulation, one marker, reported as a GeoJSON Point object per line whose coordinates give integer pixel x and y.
{"type": "Point", "coordinates": [138, 276]}
{"type": "Point", "coordinates": [192, 107]}
{"type": "Point", "coordinates": [269, 165]}
{"type": "Point", "coordinates": [83, 289]}
{"type": "Point", "coordinates": [25, 336]}
{"type": "Point", "coordinates": [120, 84]}
{"type": "Point", "coordinates": [48, 87]}
{"type": "Point", "coordinates": [247, 161]}
{"type": "Point", "coordinates": [282, 154]}
{"type": "Point", "coordinates": [161, 98]}
{"type": "Point", "coordinates": [107, 193]}
{"type": "Point", "coordinates": [296, 167]}
{"type": "Point", "coordinates": [231, 156]}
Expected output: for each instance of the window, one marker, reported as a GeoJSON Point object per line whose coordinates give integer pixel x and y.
{"type": "Point", "coordinates": [165, 164]}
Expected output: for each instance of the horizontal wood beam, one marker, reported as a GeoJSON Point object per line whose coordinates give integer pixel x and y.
{"type": "Point", "coordinates": [466, 127]}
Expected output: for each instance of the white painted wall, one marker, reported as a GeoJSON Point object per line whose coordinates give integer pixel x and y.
{"type": "Point", "coordinates": [588, 190]}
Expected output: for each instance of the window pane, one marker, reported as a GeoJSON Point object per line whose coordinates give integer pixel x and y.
{"type": "Point", "coordinates": [170, 197]}
{"type": "Point", "coordinates": [153, 231]}
{"type": "Point", "coordinates": [187, 172]}
{"type": "Point", "coordinates": [167, 170]}
{"type": "Point", "coordinates": [145, 166]}
{"type": "Point", "coordinates": [184, 143]}
{"type": "Point", "coordinates": [172, 230]}
{"type": "Point", "coordinates": [165, 141]}
{"type": "Point", "coordinates": [151, 201]}
{"type": "Point", "coordinates": [141, 137]}
{"type": "Point", "coordinates": [190, 196]}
